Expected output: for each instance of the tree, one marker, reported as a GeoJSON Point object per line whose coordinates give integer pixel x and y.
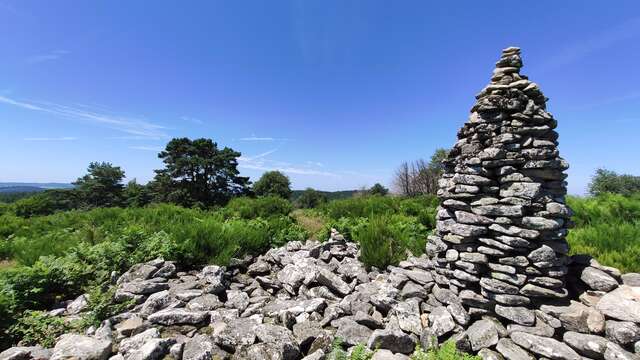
{"type": "Point", "coordinates": [311, 198]}
{"type": "Point", "coordinates": [273, 183]}
{"type": "Point", "coordinates": [420, 177]}
{"type": "Point", "coordinates": [137, 195]}
{"type": "Point", "coordinates": [378, 189]}
{"type": "Point", "coordinates": [607, 181]}
{"type": "Point", "coordinates": [101, 186]}
{"type": "Point", "coordinates": [197, 173]}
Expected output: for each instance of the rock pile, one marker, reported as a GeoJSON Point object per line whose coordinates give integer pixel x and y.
{"type": "Point", "coordinates": [502, 221]}
{"type": "Point", "coordinates": [496, 278]}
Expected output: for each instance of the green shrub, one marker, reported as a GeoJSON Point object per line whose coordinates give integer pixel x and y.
{"type": "Point", "coordinates": [251, 208]}
{"type": "Point", "coordinates": [616, 245]}
{"type": "Point", "coordinates": [386, 240]}
{"type": "Point", "coordinates": [360, 352]}
{"type": "Point", "coordinates": [101, 305]}
{"type": "Point", "coordinates": [447, 351]}
{"type": "Point", "coordinates": [37, 327]}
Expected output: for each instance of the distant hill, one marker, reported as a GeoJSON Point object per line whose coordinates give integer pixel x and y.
{"type": "Point", "coordinates": [10, 187]}
{"type": "Point", "coordinates": [331, 195]}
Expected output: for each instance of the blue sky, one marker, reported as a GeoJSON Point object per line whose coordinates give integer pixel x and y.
{"type": "Point", "coordinates": [334, 93]}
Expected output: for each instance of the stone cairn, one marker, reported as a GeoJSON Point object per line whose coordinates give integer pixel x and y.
{"type": "Point", "coordinates": [502, 220]}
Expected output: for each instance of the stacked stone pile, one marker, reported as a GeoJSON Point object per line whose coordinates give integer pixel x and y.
{"type": "Point", "coordinates": [503, 220]}
{"type": "Point", "coordinates": [294, 301]}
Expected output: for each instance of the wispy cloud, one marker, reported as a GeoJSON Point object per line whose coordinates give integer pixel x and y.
{"type": "Point", "coordinates": [261, 162]}
{"type": "Point", "coordinates": [126, 124]}
{"type": "Point", "coordinates": [147, 148]}
{"type": "Point", "coordinates": [624, 31]}
{"type": "Point", "coordinates": [265, 139]}
{"type": "Point", "coordinates": [63, 138]}
{"type": "Point", "coordinates": [50, 56]}
{"type": "Point", "coordinates": [192, 119]}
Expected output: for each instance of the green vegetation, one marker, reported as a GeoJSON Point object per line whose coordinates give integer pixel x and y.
{"type": "Point", "coordinates": [359, 352]}
{"type": "Point", "coordinates": [607, 181]}
{"type": "Point", "coordinates": [446, 351]}
{"type": "Point", "coordinates": [273, 183]}
{"type": "Point", "coordinates": [608, 228]}
{"type": "Point", "coordinates": [310, 199]}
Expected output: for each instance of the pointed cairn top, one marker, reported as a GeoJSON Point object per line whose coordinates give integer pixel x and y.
{"type": "Point", "coordinates": [508, 83]}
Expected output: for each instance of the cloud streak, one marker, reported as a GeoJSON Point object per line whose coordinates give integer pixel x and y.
{"type": "Point", "coordinates": [51, 56]}
{"type": "Point", "coordinates": [625, 31]}
{"type": "Point", "coordinates": [260, 162]}
{"type": "Point", "coordinates": [129, 125]}
{"type": "Point", "coordinates": [63, 138]}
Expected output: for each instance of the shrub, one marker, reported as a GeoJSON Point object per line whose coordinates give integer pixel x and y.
{"type": "Point", "coordinates": [606, 181]}
{"type": "Point", "coordinates": [101, 305]}
{"type": "Point", "coordinates": [447, 351]}
{"type": "Point", "coordinates": [386, 240]}
{"type": "Point", "coordinates": [250, 208]}
{"type": "Point", "coordinates": [37, 327]}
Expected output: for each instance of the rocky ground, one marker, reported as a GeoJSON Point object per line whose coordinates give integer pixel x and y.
{"type": "Point", "coordinates": [292, 302]}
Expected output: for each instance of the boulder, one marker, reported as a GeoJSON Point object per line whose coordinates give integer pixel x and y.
{"type": "Point", "coordinates": [543, 346]}
{"type": "Point", "coordinates": [179, 317]}
{"type": "Point", "coordinates": [622, 304]}
{"type": "Point", "coordinates": [598, 280]}
{"type": "Point", "coordinates": [592, 346]}
{"type": "Point", "coordinates": [482, 334]}
{"type": "Point", "coordinates": [79, 347]}
{"type": "Point", "coordinates": [393, 340]}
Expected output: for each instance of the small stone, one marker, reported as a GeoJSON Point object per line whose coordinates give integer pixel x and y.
{"type": "Point", "coordinates": [441, 321]}
{"type": "Point", "coordinates": [72, 346]}
{"type": "Point", "coordinates": [482, 334]}
{"type": "Point", "coordinates": [511, 351]}
{"type": "Point", "coordinates": [517, 314]}
{"type": "Point", "coordinates": [623, 332]}
{"type": "Point", "coordinates": [622, 303]}
{"type": "Point", "coordinates": [598, 280]}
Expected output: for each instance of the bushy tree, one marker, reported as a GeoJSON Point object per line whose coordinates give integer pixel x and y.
{"type": "Point", "coordinates": [378, 189]}
{"type": "Point", "coordinates": [47, 202]}
{"type": "Point", "coordinates": [273, 183]}
{"type": "Point", "coordinates": [607, 181]}
{"type": "Point", "coordinates": [101, 186]}
{"type": "Point", "coordinates": [198, 173]}
{"type": "Point", "coordinates": [311, 198]}
{"type": "Point", "coordinates": [137, 195]}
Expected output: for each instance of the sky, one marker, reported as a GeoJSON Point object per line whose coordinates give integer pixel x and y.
{"type": "Point", "coordinates": [336, 94]}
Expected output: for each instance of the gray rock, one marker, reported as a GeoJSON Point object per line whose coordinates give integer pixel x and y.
{"type": "Point", "coordinates": [598, 280]}
{"type": "Point", "coordinates": [131, 344]}
{"type": "Point", "coordinates": [214, 279]}
{"type": "Point", "coordinates": [316, 355]}
{"type": "Point", "coordinates": [152, 349]}
{"type": "Point", "coordinates": [544, 346]}
{"type": "Point", "coordinates": [393, 340]}
{"type": "Point", "coordinates": [622, 332]}
{"type": "Point", "coordinates": [26, 352]}
{"type": "Point", "coordinates": [333, 282]}
{"type": "Point", "coordinates": [517, 314]}
{"type": "Point", "coordinates": [511, 351]}
{"type": "Point", "coordinates": [408, 314]}
{"type": "Point", "coordinates": [441, 321]}
{"type": "Point", "coordinates": [206, 302]}
{"type": "Point", "coordinates": [280, 341]}
{"type": "Point", "coordinates": [487, 354]}
{"type": "Point", "coordinates": [156, 302]}
{"type": "Point", "coordinates": [143, 287]}
{"type": "Point", "coordinates": [616, 352]}
{"type": "Point", "coordinates": [631, 279]}
{"type": "Point", "coordinates": [622, 303]}
{"type": "Point", "coordinates": [482, 334]}
{"type": "Point", "coordinates": [179, 317]}
{"type": "Point", "coordinates": [237, 299]}
{"type": "Point", "coordinates": [384, 354]}
{"type": "Point", "coordinates": [353, 333]}
{"type": "Point", "coordinates": [306, 332]}
{"type": "Point", "coordinates": [459, 313]}
{"type": "Point", "coordinates": [234, 333]}
{"type": "Point", "coordinates": [592, 346]}
{"type": "Point", "coordinates": [73, 346]}
{"type": "Point", "coordinates": [78, 305]}
{"type": "Point", "coordinates": [199, 347]}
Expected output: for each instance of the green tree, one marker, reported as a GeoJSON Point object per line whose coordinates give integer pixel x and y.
{"type": "Point", "coordinates": [378, 189]}
{"type": "Point", "coordinates": [607, 181]}
{"type": "Point", "coordinates": [420, 177]}
{"type": "Point", "coordinates": [198, 173]}
{"type": "Point", "coordinates": [311, 198]}
{"type": "Point", "coordinates": [273, 183]}
{"type": "Point", "coordinates": [101, 186]}
{"type": "Point", "coordinates": [137, 195]}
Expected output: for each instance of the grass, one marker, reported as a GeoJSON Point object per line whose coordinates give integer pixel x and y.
{"type": "Point", "coordinates": [608, 228]}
